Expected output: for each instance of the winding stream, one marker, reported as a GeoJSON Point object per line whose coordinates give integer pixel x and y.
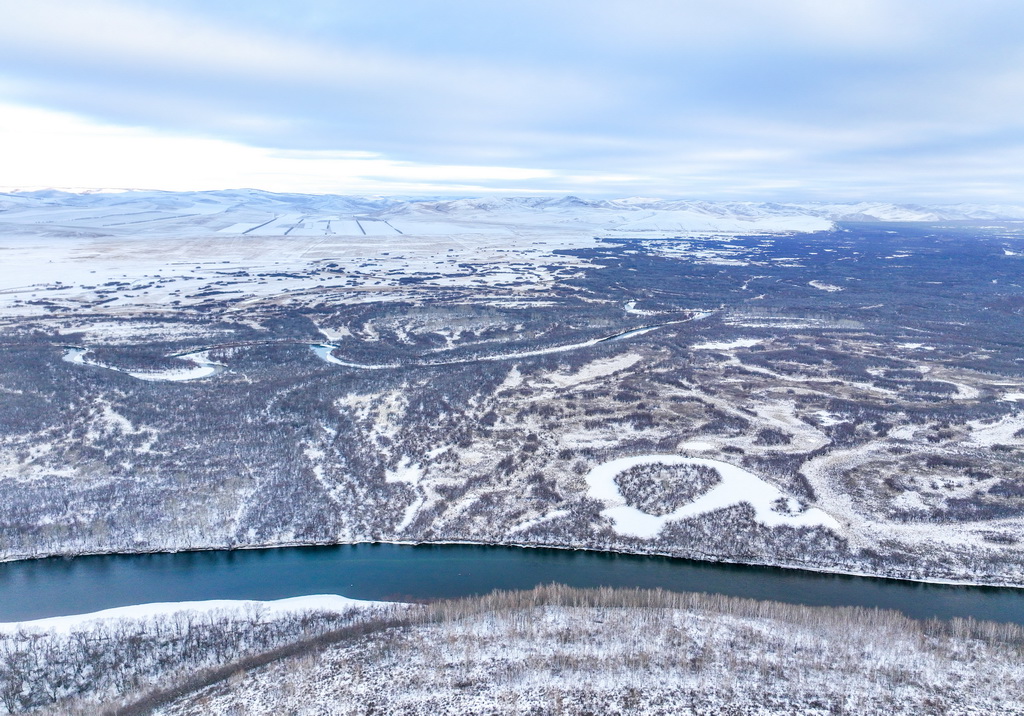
{"type": "Point", "coordinates": [202, 366]}
{"type": "Point", "coordinates": [325, 351]}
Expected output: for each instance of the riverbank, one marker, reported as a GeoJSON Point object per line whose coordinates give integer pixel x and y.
{"type": "Point", "coordinates": [563, 650]}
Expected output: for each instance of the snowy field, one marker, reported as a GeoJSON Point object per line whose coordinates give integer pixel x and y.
{"type": "Point", "coordinates": [103, 275]}
{"type": "Point", "coordinates": [550, 650]}
{"type": "Point", "coordinates": [130, 250]}
{"type": "Point", "coordinates": [640, 653]}
{"type": "Point", "coordinates": [157, 248]}
{"type": "Point", "coordinates": [85, 663]}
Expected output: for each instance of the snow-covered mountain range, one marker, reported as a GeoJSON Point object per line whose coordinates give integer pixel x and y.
{"type": "Point", "coordinates": [253, 212]}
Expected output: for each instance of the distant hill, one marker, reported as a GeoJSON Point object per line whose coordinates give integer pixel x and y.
{"type": "Point", "coordinates": [56, 212]}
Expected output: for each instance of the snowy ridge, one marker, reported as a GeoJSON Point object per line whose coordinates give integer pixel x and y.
{"type": "Point", "coordinates": [881, 211]}
{"type": "Point", "coordinates": [258, 213]}
{"type": "Point", "coordinates": [618, 215]}
{"type": "Point", "coordinates": [251, 212]}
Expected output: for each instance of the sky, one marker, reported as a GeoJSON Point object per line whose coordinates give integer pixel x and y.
{"type": "Point", "coordinates": [767, 100]}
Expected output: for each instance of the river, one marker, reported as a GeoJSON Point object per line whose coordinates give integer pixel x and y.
{"type": "Point", "coordinates": [35, 589]}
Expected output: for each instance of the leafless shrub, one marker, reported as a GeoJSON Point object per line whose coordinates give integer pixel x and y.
{"type": "Point", "coordinates": [659, 489]}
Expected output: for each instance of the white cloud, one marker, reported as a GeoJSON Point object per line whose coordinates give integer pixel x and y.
{"type": "Point", "coordinates": [45, 148]}
{"type": "Point", "coordinates": [162, 46]}
{"type": "Point", "coordinates": [864, 26]}
{"type": "Point", "coordinates": [789, 98]}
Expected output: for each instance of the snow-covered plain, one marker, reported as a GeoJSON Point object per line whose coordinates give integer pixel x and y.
{"type": "Point", "coordinates": [130, 249]}
{"type": "Point", "coordinates": [727, 345]}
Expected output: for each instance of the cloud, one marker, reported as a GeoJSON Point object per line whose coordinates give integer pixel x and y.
{"type": "Point", "coordinates": [661, 96]}
{"type": "Point", "coordinates": [122, 62]}
{"type": "Point", "coordinates": [44, 148]}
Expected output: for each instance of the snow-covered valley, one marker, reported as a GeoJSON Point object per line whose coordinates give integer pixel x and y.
{"type": "Point", "coordinates": [729, 382]}
{"type": "Point", "coordinates": [248, 369]}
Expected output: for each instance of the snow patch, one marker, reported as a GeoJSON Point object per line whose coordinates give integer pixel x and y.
{"type": "Point", "coordinates": [437, 451]}
{"type": "Point", "coordinates": [139, 612]}
{"type": "Point", "coordinates": [631, 309]}
{"type": "Point", "coordinates": [594, 370]}
{"type": "Point", "coordinates": [999, 432]}
{"type": "Point", "coordinates": [513, 380]}
{"type": "Point", "coordinates": [527, 524]}
{"type": "Point", "coordinates": [728, 346]}
{"type": "Point", "coordinates": [334, 334]}
{"type": "Point", "coordinates": [204, 367]}
{"type": "Point", "coordinates": [916, 346]}
{"type": "Point", "coordinates": [736, 487]}
{"type": "Point", "coordinates": [405, 472]}
{"type": "Point", "coordinates": [410, 514]}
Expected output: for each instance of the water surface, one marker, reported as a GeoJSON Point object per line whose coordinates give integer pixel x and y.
{"type": "Point", "coordinates": [55, 587]}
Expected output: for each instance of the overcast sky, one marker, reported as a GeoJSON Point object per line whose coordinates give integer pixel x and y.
{"type": "Point", "coordinates": [901, 100]}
